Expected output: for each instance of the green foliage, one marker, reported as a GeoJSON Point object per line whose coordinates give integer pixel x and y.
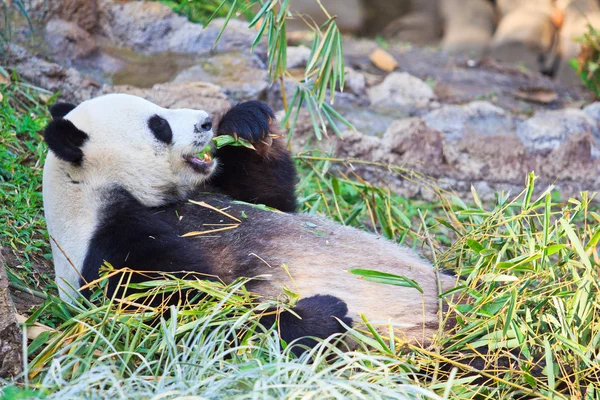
{"type": "Point", "coordinates": [323, 74]}
{"type": "Point", "coordinates": [200, 11]}
{"type": "Point", "coordinates": [587, 64]}
{"type": "Point", "coordinates": [23, 115]}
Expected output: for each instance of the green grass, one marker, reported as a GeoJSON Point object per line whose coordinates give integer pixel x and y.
{"type": "Point", "coordinates": [526, 312]}
{"type": "Point", "coordinates": [23, 115]}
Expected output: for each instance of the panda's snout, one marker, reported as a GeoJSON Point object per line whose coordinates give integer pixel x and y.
{"type": "Point", "coordinates": [204, 126]}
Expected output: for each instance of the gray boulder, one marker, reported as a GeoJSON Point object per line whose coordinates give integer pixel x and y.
{"type": "Point", "coordinates": [547, 130]}
{"type": "Point", "coordinates": [478, 117]}
{"type": "Point", "coordinates": [400, 90]}
{"type": "Point", "coordinates": [68, 40]}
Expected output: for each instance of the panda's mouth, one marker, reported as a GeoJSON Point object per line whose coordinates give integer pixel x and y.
{"type": "Point", "coordinates": [202, 165]}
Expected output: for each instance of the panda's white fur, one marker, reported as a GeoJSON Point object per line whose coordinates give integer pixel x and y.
{"type": "Point", "coordinates": [121, 149]}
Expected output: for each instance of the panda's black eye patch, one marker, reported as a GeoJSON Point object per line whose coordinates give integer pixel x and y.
{"type": "Point", "coordinates": [161, 129]}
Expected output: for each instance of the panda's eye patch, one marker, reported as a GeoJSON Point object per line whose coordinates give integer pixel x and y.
{"type": "Point", "coordinates": [161, 129]}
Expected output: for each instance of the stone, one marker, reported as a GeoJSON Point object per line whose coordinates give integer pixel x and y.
{"type": "Point", "coordinates": [416, 144]}
{"type": "Point", "coordinates": [11, 339]}
{"type": "Point", "coordinates": [152, 27]}
{"type": "Point", "coordinates": [401, 90]}
{"type": "Point", "coordinates": [349, 14]}
{"type": "Point", "coordinates": [364, 147]}
{"type": "Point", "coordinates": [355, 82]}
{"type": "Point", "coordinates": [196, 95]}
{"type": "Point", "coordinates": [478, 118]}
{"type": "Point", "coordinates": [493, 158]}
{"type": "Point", "coordinates": [83, 13]}
{"type": "Point", "coordinates": [297, 56]}
{"type": "Point", "coordinates": [238, 75]}
{"type": "Point", "coordinates": [469, 25]}
{"type": "Point", "coordinates": [421, 25]}
{"type": "Point", "coordinates": [67, 41]}
{"type": "Point", "coordinates": [525, 35]}
{"type": "Point", "coordinates": [547, 130]}
{"type": "Point", "coordinates": [72, 85]}
{"type": "Point", "coordinates": [593, 111]}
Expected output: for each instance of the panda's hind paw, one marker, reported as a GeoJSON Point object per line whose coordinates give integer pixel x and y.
{"type": "Point", "coordinates": [252, 121]}
{"type": "Point", "coordinates": [319, 319]}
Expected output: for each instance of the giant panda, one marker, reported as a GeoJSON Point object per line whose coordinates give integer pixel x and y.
{"type": "Point", "coordinates": [122, 184]}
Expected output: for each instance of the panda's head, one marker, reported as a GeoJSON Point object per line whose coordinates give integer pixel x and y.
{"type": "Point", "coordinates": [126, 140]}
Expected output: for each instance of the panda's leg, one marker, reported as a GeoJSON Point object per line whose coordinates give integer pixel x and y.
{"type": "Point", "coordinates": [317, 320]}
{"type": "Point", "coordinates": [264, 175]}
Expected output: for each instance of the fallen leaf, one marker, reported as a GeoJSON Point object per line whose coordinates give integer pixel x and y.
{"type": "Point", "coordinates": [383, 60]}
{"type": "Point", "coordinates": [537, 95]}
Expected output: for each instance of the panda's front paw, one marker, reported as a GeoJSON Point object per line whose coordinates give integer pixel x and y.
{"type": "Point", "coordinates": [251, 121]}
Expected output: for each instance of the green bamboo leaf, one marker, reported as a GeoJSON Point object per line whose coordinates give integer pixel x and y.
{"type": "Point", "coordinates": [386, 278]}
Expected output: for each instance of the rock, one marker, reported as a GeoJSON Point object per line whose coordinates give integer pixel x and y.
{"type": "Point", "coordinates": [240, 76]}
{"type": "Point", "coordinates": [349, 14]}
{"type": "Point", "coordinates": [469, 25]}
{"type": "Point", "coordinates": [401, 90]}
{"type": "Point", "coordinates": [355, 82]}
{"type": "Point", "coordinates": [67, 41]}
{"type": "Point", "coordinates": [525, 34]}
{"type": "Point", "coordinates": [197, 95]}
{"type": "Point", "coordinates": [421, 26]}
{"type": "Point", "coordinates": [547, 130]}
{"type": "Point", "coordinates": [72, 85]}
{"type": "Point", "coordinates": [368, 120]}
{"type": "Point", "coordinates": [493, 158]}
{"type": "Point", "coordinates": [11, 342]}
{"type": "Point", "coordinates": [415, 144]}
{"type": "Point", "coordinates": [152, 27]}
{"type": "Point", "coordinates": [364, 147]}
{"type": "Point", "coordinates": [297, 56]}
{"type": "Point", "coordinates": [478, 117]}
{"type": "Point", "coordinates": [572, 161]}
{"type": "Point", "coordinates": [83, 13]}
{"type": "Point", "coordinates": [593, 111]}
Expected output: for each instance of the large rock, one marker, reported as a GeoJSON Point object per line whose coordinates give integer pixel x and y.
{"type": "Point", "coordinates": [152, 27]}
{"type": "Point", "coordinates": [68, 41]}
{"type": "Point", "coordinates": [83, 13]}
{"type": "Point", "coordinates": [297, 56]}
{"type": "Point", "coordinates": [469, 25]}
{"type": "Point", "coordinates": [547, 130]}
{"type": "Point", "coordinates": [11, 345]}
{"type": "Point", "coordinates": [240, 76]}
{"type": "Point", "coordinates": [400, 90]}
{"type": "Point", "coordinates": [525, 34]}
{"type": "Point", "coordinates": [72, 85]}
{"type": "Point", "coordinates": [196, 95]}
{"type": "Point", "coordinates": [412, 142]}
{"type": "Point", "coordinates": [478, 117]}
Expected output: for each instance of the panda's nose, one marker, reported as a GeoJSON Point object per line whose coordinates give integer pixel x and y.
{"type": "Point", "coordinates": [205, 125]}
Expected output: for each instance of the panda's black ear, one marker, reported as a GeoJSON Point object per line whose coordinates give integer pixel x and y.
{"type": "Point", "coordinates": [65, 140]}
{"type": "Point", "coordinates": [59, 110]}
